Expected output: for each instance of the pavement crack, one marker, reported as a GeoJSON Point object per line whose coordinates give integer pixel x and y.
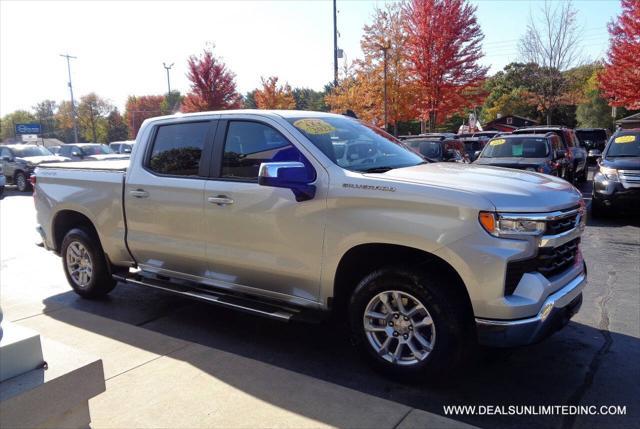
{"type": "Point", "coordinates": [568, 421]}
{"type": "Point", "coordinates": [403, 417]}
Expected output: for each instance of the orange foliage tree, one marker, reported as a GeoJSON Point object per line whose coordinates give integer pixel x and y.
{"type": "Point", "coordinates": [620, 80]}
{"type": "Point", "coordinates": [444, 46]}
{"type": "Point", "coordinates": [272, 96]}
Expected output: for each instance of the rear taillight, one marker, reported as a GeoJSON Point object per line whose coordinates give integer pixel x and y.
{"type": "Point", "coordinates": [32, 179]}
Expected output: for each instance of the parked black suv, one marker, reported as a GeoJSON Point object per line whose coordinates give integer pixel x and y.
{"type": "Point", "coordinates": [594, 141]}
{"type": "Point", "coordinates": [576, 154]}
{"type": "Point", "coordinates": [617, 181]}
{"type": "Point", "coordinates": [19, 161]}
{"type": "Point", "coordinates": [437, 149]}
{"type": "Point", "coordinates": [531, 152]}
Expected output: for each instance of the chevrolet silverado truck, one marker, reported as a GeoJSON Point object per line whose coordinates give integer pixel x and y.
{"type": "Point", "coordinates": [298, 215]}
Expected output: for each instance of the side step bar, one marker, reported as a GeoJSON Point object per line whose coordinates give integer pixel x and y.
{"type": "Point", "coordinates": [248, 305]}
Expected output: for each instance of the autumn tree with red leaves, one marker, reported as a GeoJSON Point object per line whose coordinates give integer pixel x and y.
{"type": "Point", "coordinates": [273, 96]}
{"type": "Point", "coordinates": [620, 80]}
{"type": "Point", "coordinates": [444, 46]}
{"type": "Point", "coordinates": [213, 85]}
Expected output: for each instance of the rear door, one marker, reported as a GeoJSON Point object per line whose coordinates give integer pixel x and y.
{"type": "Point", "coordinates": [164, 195]}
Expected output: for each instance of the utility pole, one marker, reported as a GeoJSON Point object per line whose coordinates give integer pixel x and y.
{"type": "Point", "coordinates": [73, 105]}
{"type": "Point", "coordinates": [335, 45]}
{"type": "Point", "coordinates": [385, 48]}
{"type": "Point", "coordinates": [168, 67]}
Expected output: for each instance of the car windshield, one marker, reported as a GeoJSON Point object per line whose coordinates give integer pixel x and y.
{"type": "Point", "coordinates": [428, 148]}
{"type": "Point", "coordinates": [594, 136]}
{"type": "Point", "coordinates": [26, 151]}
{"type": "Point", "coordinates": [624, 145]}
{"type": "Point", "coordinates": [355, 146]}
{"type": "Point", "coordinates": [98, 149]}
{"type": "Point", "coordinates": [518, 147]}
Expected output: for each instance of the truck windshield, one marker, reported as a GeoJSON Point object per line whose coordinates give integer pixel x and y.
{"type": "Point", "coordinates": [354, 145]}
{"type": "Point", "coordinates": [98, 149]}
{"type": "Point", "coordinates": [26, 151]}
{"type": "Point", "coordinates": [626, 145]}
{"type": "Point", "coordinates": [523, 147]}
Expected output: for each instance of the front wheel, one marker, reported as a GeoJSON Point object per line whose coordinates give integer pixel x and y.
{"type": "Point", "coordinates": [409, 324]}
{"type": "Point", "coordinates": [85, 264]}
{"type": "Point", "coordinates": [21, 182]}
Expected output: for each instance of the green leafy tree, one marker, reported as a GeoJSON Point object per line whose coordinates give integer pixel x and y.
{"type": "Point", "coordinates": [171, 103]}
{"type": "Point", "coordinates": [117, 129]}
{"type": "Point", "coordinates": [92, 117]}
{"type": "Point", "coordinates": [45, 113]}
{"type": "Point", "coordinates": [249, 100]}
{"type": "Point", "coordinates": [308, 99]}
{"type": "Point", "coordinates": [7, 126]}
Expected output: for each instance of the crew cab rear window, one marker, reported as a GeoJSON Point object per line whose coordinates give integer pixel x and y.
{"type": "Point", "coordinates": [249, 144]}
{"type": "Point", "coordinates": [177, 149]}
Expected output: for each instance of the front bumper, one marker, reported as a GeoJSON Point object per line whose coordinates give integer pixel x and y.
{"type": "Point", "coordinates": [610, 193]}
{"type": "Point", "coordinates": [556, 311]}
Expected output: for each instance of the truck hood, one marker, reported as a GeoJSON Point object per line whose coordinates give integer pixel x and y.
{"type": "Point", "coordinates": [40, 159]}
{"type": "Point", "coordinates": [509, 190]}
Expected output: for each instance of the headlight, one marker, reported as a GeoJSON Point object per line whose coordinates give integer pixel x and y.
{"type": "Point", "coordinates": [500, 225]}
{"type": "Point", "coordinates": [609, 173]}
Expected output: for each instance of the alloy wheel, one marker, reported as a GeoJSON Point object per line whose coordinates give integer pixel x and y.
{"type": "Point", "coordinates": [79, 264]}
{"type": "Point", "coordinates": [399, 328]}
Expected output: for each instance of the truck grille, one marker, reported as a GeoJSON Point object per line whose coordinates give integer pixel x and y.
{"type": "Point", "coordinates": [549, 262]}
{"type": "Point", "coordinates": [563, 224]}
{"type": "Point", "coordinates": [629, 178]}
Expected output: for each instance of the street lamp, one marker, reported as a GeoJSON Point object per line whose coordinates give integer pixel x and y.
{"type": "Point", "coordinates": [168, 67]}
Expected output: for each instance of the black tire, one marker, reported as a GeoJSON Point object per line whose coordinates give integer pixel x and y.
{"type": "Point", "coordinates": [21, 181]}
{"type": "Point", "coordinates": [598, 210]}
{"type": "Point", "coordinates": [100, 281]}
{"type": "Point", "coordinates": [451, 315]}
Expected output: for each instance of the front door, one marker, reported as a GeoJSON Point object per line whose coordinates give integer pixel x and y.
{"type": "Point", "coordinates": [260, 239]}
{"type": "Point", "coordinates": [164, 197]}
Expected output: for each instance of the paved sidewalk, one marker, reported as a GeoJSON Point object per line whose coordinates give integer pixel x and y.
{"type": "Point", "coordinates": [154, 380]}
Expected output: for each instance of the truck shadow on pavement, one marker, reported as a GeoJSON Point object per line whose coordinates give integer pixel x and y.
{"type": "Point", "coordinates": [558, 371]}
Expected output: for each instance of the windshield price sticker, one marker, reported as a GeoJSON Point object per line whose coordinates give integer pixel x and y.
{"type": "Point", "coordinates": [314, 126]}
{"type": "Point", "coordinates": [497, 142]}
{"type": "Point", "coordinates": [625, 139]}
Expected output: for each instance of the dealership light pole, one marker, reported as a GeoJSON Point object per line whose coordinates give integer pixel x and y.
{"type": "Point", "coordinates": [385, 48]}
{"type": "Point", "coordinates": [168, 67]}
{"type": "Point", "coordinates": [73, 105]}
{"type": "Point", "coordinates": [335, 45]}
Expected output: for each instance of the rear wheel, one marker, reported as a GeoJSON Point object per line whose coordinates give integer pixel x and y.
{"type": "Point", "coordinates": [21, 182]}
{"type": "Point", "coordinates": [409, 324]}
{"type": "Point", "coordinates": [85, 264]}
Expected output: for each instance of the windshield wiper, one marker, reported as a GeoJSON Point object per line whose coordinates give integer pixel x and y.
{"type": "Point", "coordinates": [376, 170]}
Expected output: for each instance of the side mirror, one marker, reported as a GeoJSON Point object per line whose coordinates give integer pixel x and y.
{"type": "Point", "coordinates": [76, 153]}
{"type": "Point", "coordinates": [6, 158]}
{"type": "Point", "coordinates": [476, 154]}
{"type": "Point", "coordinates": [560, 154]}
{"type": "Point", "coordinates": [292, 175]}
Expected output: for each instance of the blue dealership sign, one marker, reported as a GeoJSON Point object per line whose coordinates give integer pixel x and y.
{"type": "Point", "coordinates": [28, 129]}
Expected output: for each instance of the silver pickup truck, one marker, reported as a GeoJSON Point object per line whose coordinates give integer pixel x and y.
{"type": "Point", "coordinates": [296, 215]}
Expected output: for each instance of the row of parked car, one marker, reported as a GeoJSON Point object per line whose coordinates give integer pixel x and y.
{"type": "Point", "coordinates": [556, 150]}
{"type": "Point", "coordinates": [18, 161]}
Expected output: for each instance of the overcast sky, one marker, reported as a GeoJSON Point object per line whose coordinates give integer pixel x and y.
{"type": "Point", "coordinates": [121, 45]}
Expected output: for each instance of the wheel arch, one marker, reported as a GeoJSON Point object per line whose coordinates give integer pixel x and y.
{"type": "Point", "coordinates": [65, 220]}
{"type": "Point", "coordinates": [362, 259]}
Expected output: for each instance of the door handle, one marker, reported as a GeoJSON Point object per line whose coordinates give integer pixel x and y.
{"type": "Point", "coordinates": [139, 193]}
{"type": "Point", "coordinates": [221, 200]}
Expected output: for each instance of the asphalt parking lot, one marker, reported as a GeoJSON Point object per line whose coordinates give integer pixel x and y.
{"type": "Point", "coordinates": [595, 360]}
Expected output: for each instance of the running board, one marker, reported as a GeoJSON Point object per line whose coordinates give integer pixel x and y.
{"type": "Point", "coordinates": [248, 305]}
